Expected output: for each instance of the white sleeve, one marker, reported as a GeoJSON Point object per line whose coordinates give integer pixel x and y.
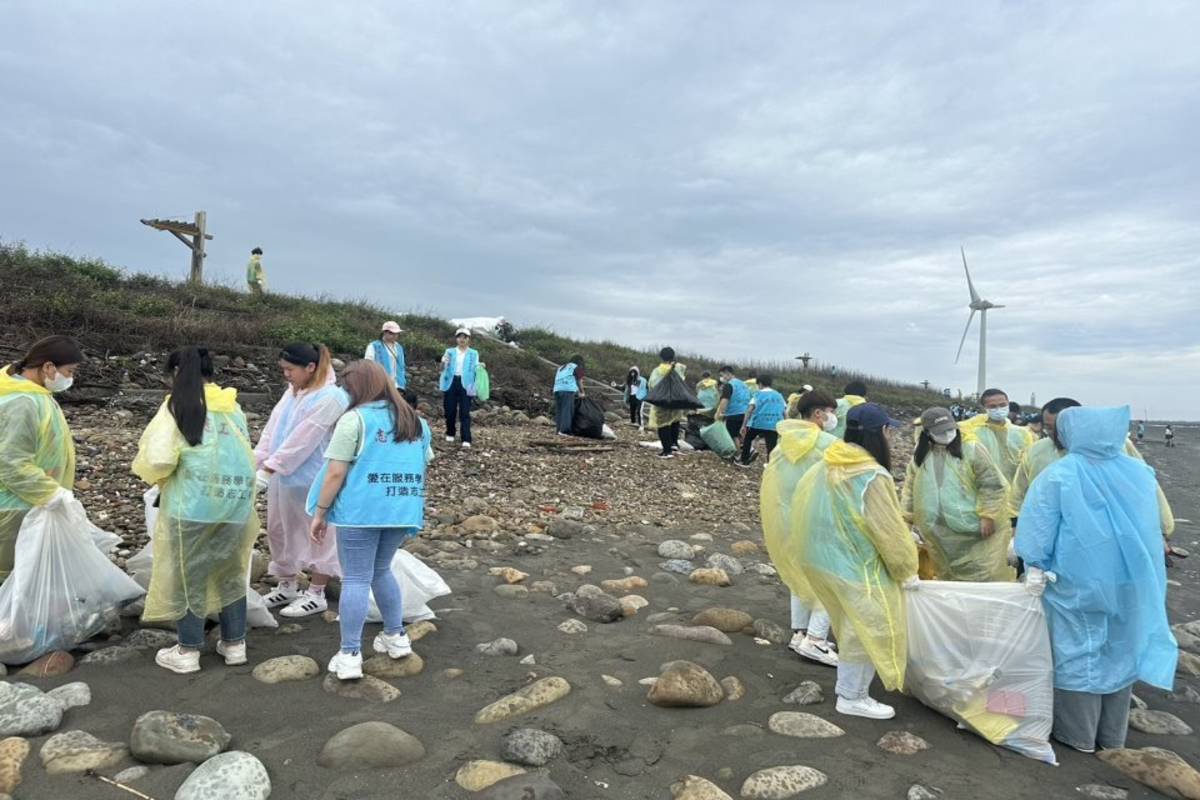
{"type": "Point", "coordinates": [370, 354]}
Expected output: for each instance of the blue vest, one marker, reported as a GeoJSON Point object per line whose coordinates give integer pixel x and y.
{"type": "Point", "coordinates": [385, 487]}
{"type": "Point", "coordinates": [769, 409]}
{"type": "Point", "coordinates": [470, 367]}
{"type": "Point", "coordinates": [739, 401]}
{"type": "Point", "coordinates": [564, 379]}
{"type": "Point", "coordinates": [393, 367]}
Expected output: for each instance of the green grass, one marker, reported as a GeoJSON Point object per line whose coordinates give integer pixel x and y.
{"type": "Point", "coordinates": [117, 313]}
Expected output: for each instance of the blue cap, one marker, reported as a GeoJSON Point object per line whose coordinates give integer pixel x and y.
{"type": "Point", "coordinates": [871, 417]}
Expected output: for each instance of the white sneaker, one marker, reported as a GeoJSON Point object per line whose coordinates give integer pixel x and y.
{"type": "Point", "coordinates": [281, 595]}
{"type": "Point", "coordinates": [865, 707]}
{"type": "Point", "coordinates": [798, 638]}
{"type": "Point", "coordinates": [176, 660]}
{"type": "Point", "coordinates": [396, 645]}
{"type": "Point", "coordinates": [450, 439]}
{"type": "Point", "coordinates": [347, 666]}
{"type": "Point", "coordinates": [234, 652]}
{"type": "Point", "coordinates": [305, 605]}
{"type": "Point", "coordinates": [820, 652]}
{"type": "Point", "coordinates": [466, 445]}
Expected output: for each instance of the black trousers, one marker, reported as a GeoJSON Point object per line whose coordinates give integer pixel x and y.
{"type": "Point", "coordinates": [734, 426]}
{"type": "Point", "coordinates": [635, 411]}
{"type": "Point", "coordinates": [771, 437]}
{"type": "Point", "coordinates": [668, 437]}
{"type": "Point", "coordinates": [457, 405]}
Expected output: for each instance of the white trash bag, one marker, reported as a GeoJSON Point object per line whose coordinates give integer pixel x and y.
{"type": "Point", "coordinates": [418, 585]}
{"type": "Point", "coordinates": [63, 590]}
{"type": "Point", "coordinates": [141, 565]}
{"type": "Point", "coordinates": [980, 654]}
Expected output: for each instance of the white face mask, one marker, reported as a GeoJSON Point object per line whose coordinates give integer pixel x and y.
{"type": "Point", "coordinates": [944, 438]}
{"type": "Point", "coordinates": [998, 414]}
{"type": "Point", "coordinates": [830, 422]}
{"type": "Point", "coordinates": [59, 383]}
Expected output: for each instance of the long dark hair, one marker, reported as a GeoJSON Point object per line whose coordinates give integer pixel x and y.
{"type": "Point", "coordinates": [925, 443]}
{"type": "Point", "coordinates": [365, 382]}
{"type": "Point", "coordinates": [633, 374]}
{"type": "Point", "coordinates": [304, 353]}
{"type": "Point", "coordinates": [192, 367]}
{"type": "Point", "coordinates": [873, 441]}
{"type": "Point", "coordinates": [58, 350]}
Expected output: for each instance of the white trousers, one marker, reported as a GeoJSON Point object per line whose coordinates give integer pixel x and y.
{"type": "Point", "coordinates": [812, 619]}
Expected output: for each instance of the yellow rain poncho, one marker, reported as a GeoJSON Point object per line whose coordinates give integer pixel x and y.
{"type": "Point", "coordinates": [708, 393]}
{"type": "Point", "coordinates": [945, 498]}
{"type": "Point", "coordinates": [844, 404]}
{"type": "Point", "coordinates": [855, 550]}
{"type": "Point", "coordinates": [1005, 443]}
{"type": "Point", "coordinates": [802, 444]}
{"type": "Point", "coordinates": [37, 456]}
{"type": "Point", "coordinates": [1043, 454]}
{"type": "Point", "coordinates": [206, 521]}
{"type": "Point", "coordinates": [662, 417]}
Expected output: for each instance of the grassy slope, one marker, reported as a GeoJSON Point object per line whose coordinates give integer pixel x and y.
{"type": "Point", "coordinates": [118, 313]}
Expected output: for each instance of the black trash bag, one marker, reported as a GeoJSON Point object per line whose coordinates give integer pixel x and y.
{"type": "Point", "coordinates": [671, 392]}
{"type": "Point", "coordinates": [692, 435]}
{"type": "Point", "coordinates": [589, 419]}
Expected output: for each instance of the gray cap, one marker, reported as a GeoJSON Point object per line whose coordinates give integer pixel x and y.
{"type": "Point", "coordinates": [937, 420]}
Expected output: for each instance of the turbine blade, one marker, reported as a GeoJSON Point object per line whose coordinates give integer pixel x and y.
{"type": "Point", "coordinates": [966, 330]}
{"type": "Point", "coordinates": [975, 298]}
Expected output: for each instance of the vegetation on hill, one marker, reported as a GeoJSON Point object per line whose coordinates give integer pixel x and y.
{"type": "Point", "coordinates": [118, 313]}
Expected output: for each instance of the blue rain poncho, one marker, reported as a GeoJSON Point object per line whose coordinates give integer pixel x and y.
{"type": "Point", "coordinates": [1093, 519]}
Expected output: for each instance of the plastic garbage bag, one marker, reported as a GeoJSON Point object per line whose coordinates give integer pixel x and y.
{"type": "Point", "coordinates": [63, 590]}
{"type": "Point", "coordinates": [589, 419]}
{"type": "Point", "coordinates": [717, 437]}
{"type": "Point", "coordinates": [980, 654]}
{"type": "Point", "coordinates": [483, 384]}
{"type": "Point", "coordinates": [671, 392]}
{"type": "Point", "coordinates": [418, 585]}
{"type": "Point", "coordinates": [608, 433]}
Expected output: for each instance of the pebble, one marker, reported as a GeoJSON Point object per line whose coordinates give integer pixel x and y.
{"type": "Point", "coordinates": [1099, 791]}
{"type": "Point", "coordinates": [701, 537]}
{"type": "Point", "coordinates": [1185, 637]}
{"type": "Point", "coordinates": [728, 620]}
{"type": "Point", "coordinates": [13, 752]}
{"type": "Point", "coordinates": [678, 565]}
{"type": "Point", "coordinates": [131, 774]}
{"type": "Point", "coordinates": [779, 783]}
{"type": "Point", "coordinates": [572, 626]}
{"type": "Point", "coordinates": [744, 547]}
{"type": "Point", "coordinates": [807, 693]}
{"type": "Point", "coordinates": [286, 668]}
{"type": "Point", "coordinates": [150, 639]}
{"type": "Point", "coordinates": [419, 630]}
{"type": "Point", "coordinates": [743, 730]}
{"type": "Point", "coordinates": [632, 603]}
{"type": "Point", "coordinates": [766, 570]}
{"type": "Point", "coordinates": [693, 787]}
{"type": "Point", "coordinates": [1137, 702]}
{"type": "Point", "coordinates": [118, 654]}
{"type": "Point", "coordinates": [609, 680]}
{"type": "Point", "coordinates": [591, 602]}
{"type": "Point", "coordinates": [776, 634]}
{"type": "Point", "coordinates": [1162, 770]}
{"type": "Point", "coordinates": [530, 786]}
{"type": "Point", "coordinates": [511, 591]}
{"type": "Point", "coordinates": [685, 684]}
{"type": "Point", "coordinates": [624, 585]}
{"type": "Point", "coordinates": [25, 711]}
{"type": "Point", "coordinates": [229, 776]}
{"type": "Point", "coordinates": [535, 695]}
{"type": "Point", "coordinates": [480, 523]}
{"type": "Point", "coordinates": [664, 579]}
{"type": "Point", "coordinates": [674, 549]}
{"type": "Point", "coordinates": [710, 577]}
{"type": "Point", "coordinates": [368, 688]}
{"type": "Point", "coordinates": [564, 528]}
{"type": "Point", "coordinates": [545, 587]}
{"type": "Point", "coordinates": [475, 776]}
{"type": "Point", "coordinates": [54, 663]}
{"type": "Point", "coordinates": [382, 665]}
{"type": "Point", "coordinates": [903, 743]}
{"type": "Point", "coordinates": [803, 725]}
{"type": "Point", "coordinates": [71, 695]}
{"type": "Point", "coordinates": [919, 792]}
{"type": "Point", "coordinates": [530, 746]}
{"type": "Point", "coordinates": [734, 688]}
{"type": "Point", "coordinates": [693, 633]}
{"type": "Point", "coordinates": [728, 564]}
{"type": "Point", "coordinates": [528, 660]}
{"type": "Point", "coordinates": [1189, 664]}
{"type": "Point", "coordinates": [498, 647]}
{"type": "Point", "coordinates": [582, 569]}
{"type": "Point", "coordinates": [1189, 695]}
{"type": "Point", "coordinates": [166, 737]}
{"type": "Point", "coordinates": [78, 751]}
{"type": "Point", "coordinates": [370, 745]}
{"type": "Point", "coordinates": [1160, 723]}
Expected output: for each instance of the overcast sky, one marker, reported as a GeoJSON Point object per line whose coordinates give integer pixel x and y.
{"type": "Point", "coordinates": [747, 180]}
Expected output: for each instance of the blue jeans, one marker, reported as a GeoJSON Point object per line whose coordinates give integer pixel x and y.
{"type": "Point", "coordinates": [457, 405]}
{"type": "Point", "coordinates": [190, 628]}
{"type": "Point", "coordinates": [366, 556]}
{"type": "Point", "coordinates": [564, 411]}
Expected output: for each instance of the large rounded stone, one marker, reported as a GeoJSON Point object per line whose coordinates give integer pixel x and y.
{"type": "Point", "coordinates": [71, 695]}
{"type": "Point", "coordinates": [79, 751]}
{"type": "Point", "coordinates": [530, 746]}
{"type": "Point", "coordinates": [1160, 723]}
{"type": "Point", "coordinates": [674, 549]}
{"type": "Point", "coordinates": [1162, 770]}
{"type": "Point", "coordinates": [684, 684]}
{"type": "Point", "coordinates": [370, 745]}
{"type": "Point", "coordinates": [56, 662]}
{"type": "Point", "coordinates": [802, 725]}
{"type": "Point", "coordinates": [808, 693]}
{"type": "Point", "coordinates": [903, 743]}
{"type": "Point", "coordinates": [591, 602]}
{"type": "Point", "coordinates": [677, 565]}
{"type": "Point", "coordinates": [729, 620]}
{"type": "Point", "coordinates": [166, 737]}
{"type": "Point", "coordinates": [693, 787]}
{"type": "Point", "coordinates": [13, 752]}
{"type": "Point", "coordinates": [286, 668]}
{"type": "Point", "coordinates": [25, 711]}
{"type": "Point", "coordinates": [535, 695]}
{"type": "Point", "coordinates": [693, 633]}
{"type": "Point", "coordinates": [780, 783]}
{"type": "Point", "coordinates": [229, 776]}
{"type": "Point", "coordinates": [367, 688]}
{"type": "Point", "coordinates": [729, 564]}
{"type": "Point", "coordinates": [498, 647]}
{"type": "Point", "coordinates": [382, 665]}
{"type": "Point", "coordinates": [766, 629]}
{"type": "Point", "coordinates": [475, 776]}
{"type": "Point", "coordinates": [624, 585]}
{"type": "Point", "coordinates": [530, 786]}
{"type": "Point", "coordinates": [710, 577]}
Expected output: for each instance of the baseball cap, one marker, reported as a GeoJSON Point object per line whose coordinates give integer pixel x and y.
{"type": "Point", "coordinates": [806, 388]}
{"type": "Point", "coordinates": [391, 327]}
{"type": "Point", "coordinates": [463, 332]}
{"type": "Point", "coordinates": [937, 420]}
{"type": "Point", "coordinates": [871, 417]}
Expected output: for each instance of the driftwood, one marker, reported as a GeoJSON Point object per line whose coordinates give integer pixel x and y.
{"type": "Point", "coordinates": [120, 786]}
{"type": "Point", "coordinates": [567, 444]}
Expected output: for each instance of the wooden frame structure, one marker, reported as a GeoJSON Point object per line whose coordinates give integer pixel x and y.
{"type": "Point", "coordinates": [181, 231]}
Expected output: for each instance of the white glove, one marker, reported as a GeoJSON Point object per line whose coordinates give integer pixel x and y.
{"type": "Point", "coordinates": [911, 584]}
{"type": "Point", "coordinates": [262, 479]}
{"type": "Point", "coordinates": [1035, 581]}
{"type": "Point", "coordinates": [916, 534]}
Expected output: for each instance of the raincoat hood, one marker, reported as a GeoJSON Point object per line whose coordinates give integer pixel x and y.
{"type": "Point", "coordinates": [797, 438]}
{"type": "Point", "coordinates": [706, 383]}
{"type": "Point", "coordinates": [844, 454]}
{"type": "Point", "coordinates": [11, 384]}
{"type": "Point", "coordinates": [1094, 432]}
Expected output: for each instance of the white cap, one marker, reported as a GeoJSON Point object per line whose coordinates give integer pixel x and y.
{"type": "Point", "coordinates": [391, 327]}
{"type": "Point", "coordinates": [806, 388]}
{"type": "Point", "coordinates": [463, 332]}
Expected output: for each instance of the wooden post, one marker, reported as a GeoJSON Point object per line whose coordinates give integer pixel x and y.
{"type": "Point", "coordinates": [198, 249]}
{"type": "Point", "coordinates": [181, 231]}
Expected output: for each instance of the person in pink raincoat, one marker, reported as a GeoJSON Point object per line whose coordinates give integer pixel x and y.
{"type": "Point", "coordinates": [290, 452]}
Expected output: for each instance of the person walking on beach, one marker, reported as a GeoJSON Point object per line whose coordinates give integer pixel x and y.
{"type": "Point", "coordinates": [1169, 436]}
{"type": "Point", "coordinates": [667, 421]}
{"type": "Point", "coordinates": [568, 384]}
{"type": "Point", "coordinates": [767, 409]}
{"type": "Point", "coordinates": [256, 274]}
{"type": "Point", "coordinates": [387, 352]}
{"type": "Point", "coordinates": [460, 366]}
{"type": "Point", "coordinates": [635, 395]}
{"type": "Point", "coordinates": [734, 402]}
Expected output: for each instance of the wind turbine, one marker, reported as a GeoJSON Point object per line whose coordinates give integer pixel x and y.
{"type": "Point", "coordinates": [982, 306]}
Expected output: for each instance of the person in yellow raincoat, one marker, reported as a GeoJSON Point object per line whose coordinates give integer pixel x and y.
{"type": "Point", "coordinates": [793, 401]}
{"type": "Point", "coordinates": [1005, 442]}
{"type": "Point", "coordinates": [708, 392]}
{"type": "Point", "coordinates": [197, 451]}
{"type": "Point", "coordinates": [667, 420]}
{"type": "Point", "coordinates": [957, 499]}
{"type": "Point", "coordinates": [256, 274]}
{"type": "Point", "coordinates": [855, 394]}
{"type": "Point", "coordinates": [802, 444]}
{"type": "Point", "coordinates": [855, 551]}
{"type": "Point", "coordinates": [37, 453]}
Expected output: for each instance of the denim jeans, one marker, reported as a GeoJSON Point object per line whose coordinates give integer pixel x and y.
{"type": "Point", "coordinates": [564, 411]}
{"type": "Point", "coordinates": [190, 628]}
{"type": "Point", "coordinates": [457, 405]}
{"type": "Point", "coordinates": [812, 619]}
{"type": "Point", "coordinates": [854, 680]}
{"type": "Point", "coordinates": [1087, 721]}
{"type": "Point", "coordinates": [366, 556]}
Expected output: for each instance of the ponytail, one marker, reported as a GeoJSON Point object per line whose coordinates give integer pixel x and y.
{"type": "Point", "coordinates": [192, 366]}
{"type": "Point", "coordinates": [61, 351]}
{"type": "Point", "coordinates": [304, 353]}
{"type": "Point", "coordinates": [324, 366]}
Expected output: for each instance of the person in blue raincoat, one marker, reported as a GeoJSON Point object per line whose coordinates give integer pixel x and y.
{"type": "Point", "coordinates": [1092, 519]}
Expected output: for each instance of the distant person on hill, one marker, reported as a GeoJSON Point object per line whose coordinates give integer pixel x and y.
{"type": "Point", "coordinates": [854, 394]}
{"type": "Point", "coordinates": [708, 392]}
{"type": "Point", "coordinates": [37, 451]}
{"type": "Point", "coordinates": [1005, 442]}
{"type": "Point", "coordinates": [379, 435]}
{"type": "Point", "coordinates": [1141, 430]}
{"type": "Point", "coordinates": [568, 384]}
{"type": "Point", "coordinates": [387, 352]}
{"type": "Point", "coordinates": [460, 365]}
{"type": "Point", "coordinates": [734, 403]}
{"type": "Point", "coordinates": [635, 395]}
{"type": "Point", "coordinates": [197, 450]}
{"type": "Point", "coordinates": [767, 409]}
{"type": "Point", "coordinates": [1169, 436]}
{"type": "Point", "coordinates": [289, 455]}
{"type": "Point", "coordinates": [667, 421]}
{"type": "Point", "coordinates": [256, 274]}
